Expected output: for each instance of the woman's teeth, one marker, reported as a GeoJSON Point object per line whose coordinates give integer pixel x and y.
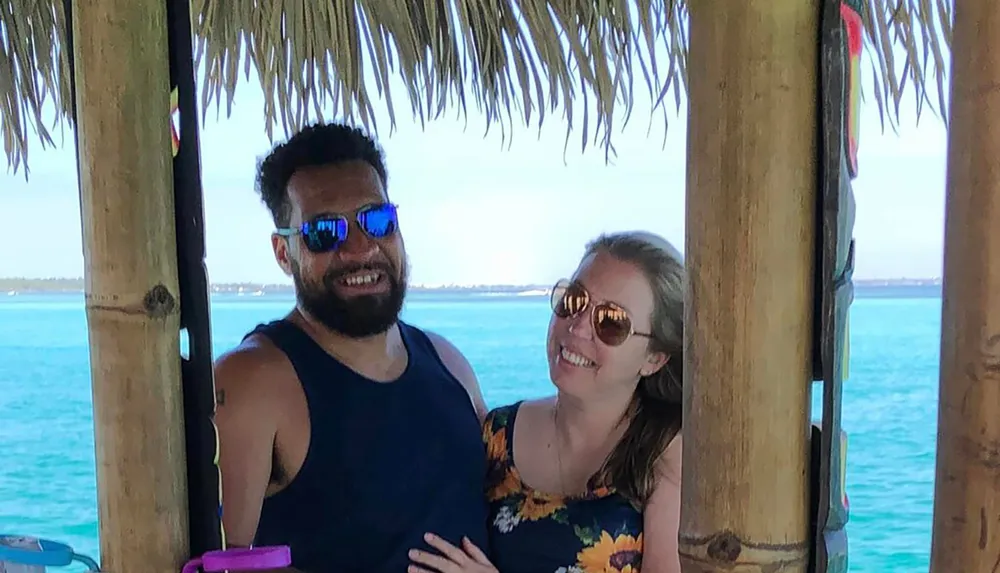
{"type": "Point", "coordinates": [575, 359]}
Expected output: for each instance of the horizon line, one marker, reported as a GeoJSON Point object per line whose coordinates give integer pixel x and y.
{"type": "Point", "coordinates": [535, 285]}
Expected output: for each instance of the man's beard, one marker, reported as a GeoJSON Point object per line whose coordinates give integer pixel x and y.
{"type": "Point", "coordinates": [356, 317]}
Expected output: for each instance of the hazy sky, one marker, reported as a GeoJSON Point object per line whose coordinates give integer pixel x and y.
{"type": "Point", "coordinates": [473, 211]}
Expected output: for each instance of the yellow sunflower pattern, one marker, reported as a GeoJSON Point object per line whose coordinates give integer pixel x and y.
{"type": "Point", "coordinates": [596, 532]}
{"type": "Point", "coordinates": [504, 483]}
{"type": "Point", "coordinates": [621, 554]}
{"type": "Point", "coordinates": [534, 507]}
{"type": "Point", "coordinates": [502, 480]}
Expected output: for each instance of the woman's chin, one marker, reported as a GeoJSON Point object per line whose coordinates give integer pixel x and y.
{"type": "Point", "coordinates": [569, 377]}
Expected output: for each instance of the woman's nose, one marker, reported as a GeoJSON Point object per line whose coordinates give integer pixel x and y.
{"type": "Point", "coordinates": [580, 325]}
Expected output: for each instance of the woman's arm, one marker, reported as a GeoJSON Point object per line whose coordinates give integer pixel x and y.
{"type": "Point", "coordinates": [662, 514]}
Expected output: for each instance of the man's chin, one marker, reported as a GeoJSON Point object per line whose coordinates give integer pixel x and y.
{"type": "Point", "coordinates": [368, 299]}
{"type": "Point", "coordinates": [358, 317]}
{"type": "Point", "coordinates": [361, 329]}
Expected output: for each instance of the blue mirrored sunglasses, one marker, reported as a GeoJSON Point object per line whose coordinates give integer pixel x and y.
{"type": "Point", "coordinates": [327, 232]}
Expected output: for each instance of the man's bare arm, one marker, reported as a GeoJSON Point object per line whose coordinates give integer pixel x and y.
{"type": "Point", "coordinates": [460, 368]}
{"type": "Point", "coordinates": [247, 427]}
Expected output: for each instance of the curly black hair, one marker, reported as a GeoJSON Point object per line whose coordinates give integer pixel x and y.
{"type": "Point", "coordinates": [315, 145]}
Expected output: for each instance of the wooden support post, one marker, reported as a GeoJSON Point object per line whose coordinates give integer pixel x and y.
{"type": "Point", "coordinates": [123, 138]}
{"type": "Point", "coordinates": [967, 486]}
{"type": "Point", "coordinates": [751, 196]}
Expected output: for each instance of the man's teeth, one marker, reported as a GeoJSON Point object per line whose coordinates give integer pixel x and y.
{"type": "Point", "coordinates": [575, 359]}
{"type": "Point", "coordinates": [364, 279]}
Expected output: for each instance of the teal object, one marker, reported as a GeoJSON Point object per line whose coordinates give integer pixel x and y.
{"type": "Point", "coordinates": [31, 551]}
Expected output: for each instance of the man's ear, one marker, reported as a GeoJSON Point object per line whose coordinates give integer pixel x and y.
{"type": "Point", "coordinates": [282, 253]}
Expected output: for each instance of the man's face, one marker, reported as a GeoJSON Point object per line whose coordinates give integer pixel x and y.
{"type": "Point", "coordinates": [356, 289]}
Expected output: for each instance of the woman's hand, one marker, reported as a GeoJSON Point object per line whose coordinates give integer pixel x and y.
{"type": "Point", "coordinates": [468, 559]}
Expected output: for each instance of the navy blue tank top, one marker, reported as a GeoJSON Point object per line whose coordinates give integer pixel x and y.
{"type": "Point", "coordinates": [386, 462]}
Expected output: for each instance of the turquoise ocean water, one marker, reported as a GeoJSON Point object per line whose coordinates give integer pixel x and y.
{"type": "Point", "coordinates": [47, 482]}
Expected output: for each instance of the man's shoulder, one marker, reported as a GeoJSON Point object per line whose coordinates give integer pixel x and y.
{"type": "Point", "coordinates": [458, 366]}
{"type": "Point", "coordinates": [446, 350]}
{"type": "Point", "coordinates": [254, 352]}
{"type": "Point", "coordinates": [256, 366]}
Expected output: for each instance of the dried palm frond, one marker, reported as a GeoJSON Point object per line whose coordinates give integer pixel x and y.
{"type": "Point", "coordinates": [34, 74]}
{"type": "Point", "coordinates": [919, 27]}
{"type": "Point", "coordinates": [526, 57]}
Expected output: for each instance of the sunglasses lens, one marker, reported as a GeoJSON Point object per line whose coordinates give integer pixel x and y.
{"type": "Point", "coordinates": [379, 221]}
{"type": "Point", "coordinates": [568, 299]}
{"type": "Point", "coordinates": [611, 324]}
{"type": "Point", "coordinates": [325, 234]}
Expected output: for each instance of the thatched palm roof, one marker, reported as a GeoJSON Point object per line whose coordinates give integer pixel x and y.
{"type": "Point", "coordinates": [520, 57]}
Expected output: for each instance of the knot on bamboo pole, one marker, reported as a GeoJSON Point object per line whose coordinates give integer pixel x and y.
{"type": "Point", "coordinates": [725, 551]}
{"type": "Point", "coordinates": [725, 547]}
{"type": "Point", "coordinates": [158, 302]}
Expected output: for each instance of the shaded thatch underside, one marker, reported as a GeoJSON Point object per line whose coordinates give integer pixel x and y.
{"type": "Point", "coordinates": [517, 60]}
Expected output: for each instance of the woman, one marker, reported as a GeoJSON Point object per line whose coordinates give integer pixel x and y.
{"type": "Point", "coordinates": [589, 480]}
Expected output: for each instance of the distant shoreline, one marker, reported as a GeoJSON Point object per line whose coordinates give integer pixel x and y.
{"type": "Point", "coordinates": [76, 286]}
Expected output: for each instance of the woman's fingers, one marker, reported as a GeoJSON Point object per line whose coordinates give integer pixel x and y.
{"type": "Point", "coordinates": [454, 553]}
{"type": "Point", "coordinates": [477, 554]}
{"type": "Point", "coordinates": [435, 562]}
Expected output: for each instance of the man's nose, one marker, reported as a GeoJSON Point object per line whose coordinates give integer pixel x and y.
{"type": "Point", "coordinates": [358, 246]}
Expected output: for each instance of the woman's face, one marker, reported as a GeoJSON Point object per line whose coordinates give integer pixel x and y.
{"type": "Point", "coordinates": [580, 363]}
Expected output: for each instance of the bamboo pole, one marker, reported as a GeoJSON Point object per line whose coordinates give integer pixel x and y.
{"type": "Point", "coordinates": [966, 533]}
{"type": "Point", "coordinates": [751, 188]}
{"type": "Point", "coordinates": [123, 139]}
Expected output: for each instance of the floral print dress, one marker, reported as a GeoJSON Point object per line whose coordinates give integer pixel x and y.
{"type": "Point", "coordinates": [598, 531]}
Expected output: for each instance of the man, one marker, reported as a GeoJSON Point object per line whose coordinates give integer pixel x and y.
{"type": "Point", "coordinates": [344, 432]}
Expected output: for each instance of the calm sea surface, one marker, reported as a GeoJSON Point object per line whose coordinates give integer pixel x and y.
{"type": "Point", "coordinates": [47, 483]}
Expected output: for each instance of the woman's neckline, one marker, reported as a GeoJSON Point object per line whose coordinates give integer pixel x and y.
{"type": "Point", "coordinates": [592, 491]}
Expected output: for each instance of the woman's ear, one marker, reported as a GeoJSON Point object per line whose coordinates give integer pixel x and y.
{"type": "Point", "coordinates": [654, 362]}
